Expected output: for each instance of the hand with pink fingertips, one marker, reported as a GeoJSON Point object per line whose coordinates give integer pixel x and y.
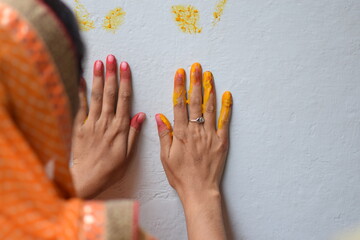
{"type": "Point", "coordinates": [104, 137]}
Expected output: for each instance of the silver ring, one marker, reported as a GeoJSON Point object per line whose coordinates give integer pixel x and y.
{"type": "Point", "coordinates": [198, 120]}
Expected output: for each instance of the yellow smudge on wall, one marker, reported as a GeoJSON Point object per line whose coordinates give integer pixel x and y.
{"type": "Point", "coordinates": [83, 17]}
{"type": "Point", "coordinates": [187, 18]}
{"type": "Point", "coordinates": [219, 9]}
{"type": "Point", "coordinates": [114, 19]}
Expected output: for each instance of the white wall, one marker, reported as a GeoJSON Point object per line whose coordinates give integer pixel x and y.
{"type": "Point", "coordinates": [293, 66]}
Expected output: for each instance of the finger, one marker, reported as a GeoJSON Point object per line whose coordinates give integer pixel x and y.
{"type": "Point", "coordinates": [209, 101]}
{"type": "Point", "coordinates": [125, 92]}
{"type": "Point", "coordinates": [195, 95]}
{"type": "Point", "coordinates": [179, 99]}
{"type": "Point", "coordinates": [97, 91]}
{"type": "Point", "coordinates": [110, 88]}
{"type": "Point", "coordinates": [83, 108]}
{"type": "Point", "coordinates": [224, 118]}
{"type": "Point", "coordinates": [135, 127]}
{"type": "Point", "coordinates": [165, 135]}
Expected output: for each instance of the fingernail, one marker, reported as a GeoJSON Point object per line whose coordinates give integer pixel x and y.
{"type": "Point", "coordinates": [179, 76]}
{"type": "Point", "coordinates": [180, 73]}
{"type": "Point", "coordinates": [141, 117]}
{"type": "Point", "coordinates": [110, 59]}
{"type": "Point", "coordinates": [207, 78]}
{"type": "Point", "coordinates": [124, 66]}
{"type": "Point", "coordinates": [162, 121]}
{"type": "Point", "coordinates": [227, 99]}
{"type": "Point", "coordinates": [110, 65]}
{"type": "Point", "coordinates": [195, 73]}
{"type": "Point", "coordinates": [98, 68]}
{"type": "Point", "coordinates": [158, 120]}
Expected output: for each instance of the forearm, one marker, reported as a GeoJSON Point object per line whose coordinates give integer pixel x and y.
{"type": "Point", "coordinates": [204, 219]}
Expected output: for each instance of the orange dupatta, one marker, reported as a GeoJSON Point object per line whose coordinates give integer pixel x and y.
{"type": "Point", "coordinates": [38, 99]}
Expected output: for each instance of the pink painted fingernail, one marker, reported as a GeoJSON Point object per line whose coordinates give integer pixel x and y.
{"type": "Point", "coordinates": [111, 59]}
{"type": "Point", "coordinates": [158, 120]}
{"type": "Point", "coordinates": [141, 117]}
{"type": "Point", "coordinates": [98, 68]}
{"type": "Point", "coordinates": [110, 65]}
{"type": "Point", "coordinates": [124, 66]}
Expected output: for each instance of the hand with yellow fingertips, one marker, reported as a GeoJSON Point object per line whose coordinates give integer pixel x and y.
{"type": "Point", "coordinates": [193, 154]}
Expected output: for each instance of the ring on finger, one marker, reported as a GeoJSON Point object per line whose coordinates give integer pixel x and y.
{"type": "Point", "coordinates": [199, 120]}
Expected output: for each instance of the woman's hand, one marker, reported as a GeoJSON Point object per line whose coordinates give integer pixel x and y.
{"type": "Point", "coordinates": [193, 154]}
{"type": "Point", "coordinates": [104, 139]}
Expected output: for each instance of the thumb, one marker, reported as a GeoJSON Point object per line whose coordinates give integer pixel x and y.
{"type": "Point", "coordinates": [165, 135]}
{"type": "Point", "coordinates": [135, 127]}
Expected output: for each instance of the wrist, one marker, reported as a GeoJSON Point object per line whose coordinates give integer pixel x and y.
{"type": "Point", "coordinates": [203, 213]}
{"type": "Point", "coordinates": [200, 199]}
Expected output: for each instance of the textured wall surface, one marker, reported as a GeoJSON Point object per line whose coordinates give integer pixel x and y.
{"type": "Point", "coordinates": [293, 66]}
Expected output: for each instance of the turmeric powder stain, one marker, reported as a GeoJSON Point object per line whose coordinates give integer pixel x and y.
{"type": "Point", "coordinates": [219, 9]}
{"type": "Point", "coordinates": [225, 109]}
{"type": "Point", "coordinates": [187, 18]}
{"type": "Point", "coordinates": [83, 17]}
{"type": "Point", "coordinates": [179, 97]}
{"type": "Point", "coordinates": [167, 123]}
{"type": "Point", "coordinates": [208, 88]}
{"type": "Point", "coordinates": [114, 19]}
{"type": "Point", "coordinates": [179, 94]}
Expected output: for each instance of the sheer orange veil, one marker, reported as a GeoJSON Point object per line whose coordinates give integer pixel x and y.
{"type": "Point", "coordinates": [38, 101]}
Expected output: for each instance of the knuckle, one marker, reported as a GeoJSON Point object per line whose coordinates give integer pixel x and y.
{"type": "Point", "coordinates": [180, 134]}
{"type": "Point", "coordinates": [79, 133]}
{"type": "Point", "coordinates": [123, 128]}
{"type": "Point", "coordinates": [101, 126]}
{"type": "Point", "coordinates": [196, 101]}
{"type": "Point", "coordinates": [125, 95]}
{"type": "Point", "coordinates": [111, 94]}
{"type": "Point", "coordinates": [164, 133]}
{"type": "Point", "coordinates": [122, 124]}
{"type": "Point", "coordinates": [224, 146]}
{"type": "Point", "coordinates": [195, 131]}
{"type": "Point", "coordinates": [96, 96]}
{"type": "Point", "coordinates": [180, 104]}
{"type": "Point", "coordinates": [210, 108]}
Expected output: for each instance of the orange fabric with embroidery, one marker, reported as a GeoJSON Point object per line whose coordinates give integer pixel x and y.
{"type": "Point", "coordinates": [36, 192]}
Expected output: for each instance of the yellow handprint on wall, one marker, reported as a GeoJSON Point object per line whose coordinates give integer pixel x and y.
{"type": "Point", "coordinates": [186, 17]}
{"type": "Point", "coordinates": [219, 9]}
{"type": "Point", "coordinates": [111, 22]}
{"type": "Point", "coordinates": [83, 17]}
